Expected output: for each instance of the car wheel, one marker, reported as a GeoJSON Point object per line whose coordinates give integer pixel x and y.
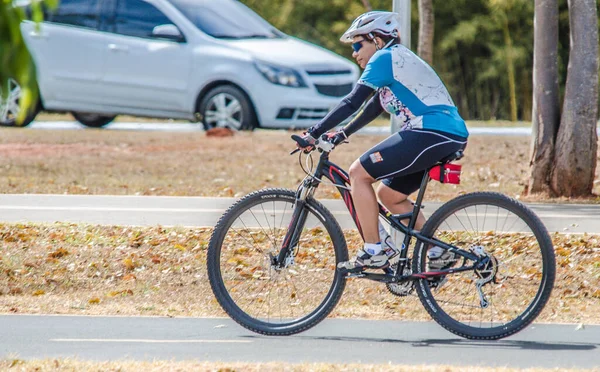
{"type": "Point", "coordinates": [227, 107]}
{"type": "Point", "coordinates": [9, 107]}
{"type": "Point", "coordinates": [93, 120]}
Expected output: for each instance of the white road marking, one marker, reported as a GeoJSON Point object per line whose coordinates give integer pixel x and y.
{"type": "Point", "coordinates": [148, 341]}
{"type": "Point", "coordinates": [108, 209]}
{"type": "Point", "coordinates": [206, 210]}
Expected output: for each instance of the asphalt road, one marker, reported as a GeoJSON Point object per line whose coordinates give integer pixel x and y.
{"type": "Point", "coordinates": [333, 341]}
{"type": "Point", "coordinates": [196, 127]}
{"type": "Point", "coordinates": [204, 212]}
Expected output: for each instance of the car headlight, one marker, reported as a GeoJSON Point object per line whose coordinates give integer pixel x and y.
{"type": "Point", "coordinates": [281, 75]}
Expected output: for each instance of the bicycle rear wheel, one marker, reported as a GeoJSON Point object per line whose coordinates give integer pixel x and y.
{"type": "Point", "coordinates": [515, 285]}
{"type": "Point", "coordinates": [256, 294]}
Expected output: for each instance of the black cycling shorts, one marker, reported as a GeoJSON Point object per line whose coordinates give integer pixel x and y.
{"type": "Point", "coordinates": [402, 159]}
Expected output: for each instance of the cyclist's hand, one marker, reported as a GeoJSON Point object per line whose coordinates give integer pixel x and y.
{"type": "Point", "coordinates": [337, 137]}
{"type": "Point", "coordinates": [310, 140]}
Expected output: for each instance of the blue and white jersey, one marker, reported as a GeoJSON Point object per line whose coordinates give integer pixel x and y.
{"type": "Point", "coordinates": [410, 89]}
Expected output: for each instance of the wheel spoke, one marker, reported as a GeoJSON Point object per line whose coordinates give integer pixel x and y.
{"type": "Point", "coordinates": [220, 104]}
{"type": "Point", "coordinates": [234, 124]}
{"type": "Point", "coordinates": [15, 94]}
{"type": "Point", "coordinates": [211, 117]}
{"type": "Point", "coordinates": [233, 107]}
{"type": "Point", "coordinates": [14, 109]}
{"type": "Point", "coordinates": [3, 111]}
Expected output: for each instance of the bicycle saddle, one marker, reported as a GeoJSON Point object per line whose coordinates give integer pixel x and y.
{"type": "Point", "coordinates": [452, 157]}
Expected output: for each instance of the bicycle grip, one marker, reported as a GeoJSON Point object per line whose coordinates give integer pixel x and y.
{"type": "Point", "coordinates": [301, 142]}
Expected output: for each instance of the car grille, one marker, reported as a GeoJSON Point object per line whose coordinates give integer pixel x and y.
{"type": "Point", "coordinates": [334, 90]}
{"type": "Point", "coordinates": [311, 113]}
{"type": "Point", "coordinates": [328, 72]}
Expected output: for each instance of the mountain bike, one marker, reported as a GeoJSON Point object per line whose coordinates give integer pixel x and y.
{"type": "Point", "coordinates": [273, 255]}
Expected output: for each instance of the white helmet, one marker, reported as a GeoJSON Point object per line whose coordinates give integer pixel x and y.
{"type": "Point", "coordinates": [382, 22]}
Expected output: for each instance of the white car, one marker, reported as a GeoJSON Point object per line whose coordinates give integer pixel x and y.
{"type": "Point", "coordinates": [214, 61]}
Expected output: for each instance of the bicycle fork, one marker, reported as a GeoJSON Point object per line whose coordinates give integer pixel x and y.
{"type": "Point", "coordinates": [292, 236]}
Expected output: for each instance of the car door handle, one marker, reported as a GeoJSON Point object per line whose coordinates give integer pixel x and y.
{"type": "Point", "coordinates": [38, 34]}
{"type": "Point", "coordinates": [117, 48]}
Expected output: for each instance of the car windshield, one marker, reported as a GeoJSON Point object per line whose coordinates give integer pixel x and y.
{"type": "Point", "coordinates": [226, 19]}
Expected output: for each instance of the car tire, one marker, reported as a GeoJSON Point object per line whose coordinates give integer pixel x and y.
{"type": "Point", "coordinates": [227, 106]}
{"type": "Point", "coordinates": [8, 112]}
{"type": "Point", "coordinates": [93, 120]}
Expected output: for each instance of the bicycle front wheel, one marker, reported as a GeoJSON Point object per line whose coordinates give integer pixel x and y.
{"type": "Point", "coordinates": [260, 296]}
{"type": "Point", "coordinates": [507, 294]}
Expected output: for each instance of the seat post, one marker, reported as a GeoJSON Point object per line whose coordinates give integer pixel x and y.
{"type": "Point", "coordinates": [417, 204]}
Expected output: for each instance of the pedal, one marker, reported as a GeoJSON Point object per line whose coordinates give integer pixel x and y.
{"type": "Point", "coordinates": [355, 275]}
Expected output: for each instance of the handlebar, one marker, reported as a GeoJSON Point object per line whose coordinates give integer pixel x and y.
{"type": "Point", "coordinates": [322, 144]}
{"type": "Point", "coordinates": [300, 141]}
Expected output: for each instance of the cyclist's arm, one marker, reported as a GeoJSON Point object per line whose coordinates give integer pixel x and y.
{"type": "Point", "coordinates": [371, 111]}
{"type": "Point", "coordinates": [348, 106]}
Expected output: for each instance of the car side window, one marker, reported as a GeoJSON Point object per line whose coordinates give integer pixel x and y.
{"type": "Point", "coordinates": [82, 13]}
{"type": "Point", "coordinates": [138, 18]}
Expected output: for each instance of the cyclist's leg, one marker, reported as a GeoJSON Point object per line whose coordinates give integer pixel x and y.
{"type": "Point", "coordinates": [401, 160]}
{"type": "Point", "coordinates": [365, 201]}
{"type": "Point", "coordinates": [400, 154]}
{"type": "Point", "coordinates": [372, 255]}
{"type": "Point", "coordinates": [393, 194]}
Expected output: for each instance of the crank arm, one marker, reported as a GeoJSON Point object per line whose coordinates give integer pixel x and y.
{"type": "Point", "coordinates": [483, 302]}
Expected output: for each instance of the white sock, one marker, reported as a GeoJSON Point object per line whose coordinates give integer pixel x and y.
{"type": "Point", "coordinates": [372, 248]}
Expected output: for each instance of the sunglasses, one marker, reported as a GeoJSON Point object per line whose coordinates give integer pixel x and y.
{"type": "Point", "coordinates": [358, 45]}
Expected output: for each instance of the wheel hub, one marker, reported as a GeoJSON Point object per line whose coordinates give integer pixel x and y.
{"type": "Point", "coordinates": [224, 110]}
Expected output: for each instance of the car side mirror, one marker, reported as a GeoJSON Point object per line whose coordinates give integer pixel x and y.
{"type": "Point", "coordinates": [169, 32]}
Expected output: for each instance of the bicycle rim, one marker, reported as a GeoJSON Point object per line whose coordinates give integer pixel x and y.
{"type": "Point", "coordinates": [516, 283]}
{"type": "Point", "coordinates": [260, 296]}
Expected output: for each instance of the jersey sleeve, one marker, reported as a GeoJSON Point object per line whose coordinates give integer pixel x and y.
{"type": "Point", "coordinates": [378, 72]}
{"type": "Point", "coordinates": [349, 105]}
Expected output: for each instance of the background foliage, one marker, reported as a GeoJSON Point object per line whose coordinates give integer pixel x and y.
{"type": "Point", "coordinates": [470, 45]}
{"type": "Point", "coordinates": [15, 60]}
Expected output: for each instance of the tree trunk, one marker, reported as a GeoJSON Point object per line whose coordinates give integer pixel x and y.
{"type": "Point", "coordinates": [577, 140]}
{"type": "Point", "coordinates": [545, 111]}
{"type": "Point", "coordinates": [284, 13]}
{"type": "Point", "coordinates": [510, 66]}
{"type": "Point", "coordinates": [426, 26]}
{"type": "Point", "coordinates": [367, 5]}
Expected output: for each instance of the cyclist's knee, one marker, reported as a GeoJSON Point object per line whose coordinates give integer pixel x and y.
{"type": "Point", "coordinates": [359, 174]}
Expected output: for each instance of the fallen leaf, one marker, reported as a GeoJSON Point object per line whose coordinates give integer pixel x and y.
{"type": "Point", "coordinates": [60, 252]}
{"type": "Point", "coordinates": [129, 277]}
{"type": "Point", "coordinates": [129, 264]}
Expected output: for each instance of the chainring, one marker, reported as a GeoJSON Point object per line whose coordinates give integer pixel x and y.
{"type": "Point", "coordinates": [402, 289]}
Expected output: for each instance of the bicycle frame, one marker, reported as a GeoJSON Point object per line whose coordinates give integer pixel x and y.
{"type": "Point", "coordinates": [341, 181]}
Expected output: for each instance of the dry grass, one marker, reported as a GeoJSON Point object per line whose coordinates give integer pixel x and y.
{"type": "Point", "coordinates": [78, 365]}
{"type": "Point", "coordinates": [78, 269]}
{"type": "Point", "coordinates": [143, 163]}
{"type": "Point", "coordinates": [382, 121]}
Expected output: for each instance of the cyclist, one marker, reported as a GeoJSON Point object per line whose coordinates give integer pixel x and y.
{"type": "Point", "coordinates": [398, 81]}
